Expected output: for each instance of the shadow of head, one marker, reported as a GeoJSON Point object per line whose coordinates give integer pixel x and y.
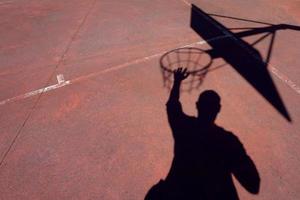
{"type": "Point", "coordinates": [208, 105]}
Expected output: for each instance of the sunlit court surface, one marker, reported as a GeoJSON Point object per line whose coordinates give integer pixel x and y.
{"type": "Point", "coordinates": [89, 103]}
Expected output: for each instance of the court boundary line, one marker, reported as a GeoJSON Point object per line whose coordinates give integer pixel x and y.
{"type": "Point", "coordinates": [61, 82]}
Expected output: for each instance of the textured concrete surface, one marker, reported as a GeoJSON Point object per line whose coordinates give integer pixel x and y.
{"type": "Point", "coordinates": [105, 135]}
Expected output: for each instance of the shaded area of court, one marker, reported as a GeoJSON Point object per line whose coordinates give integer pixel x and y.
{"type": "Point", "coordinates": [106, 134]}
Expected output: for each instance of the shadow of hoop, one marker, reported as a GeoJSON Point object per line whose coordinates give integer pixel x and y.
{"type": "Point", "coordinates": [197, 62]}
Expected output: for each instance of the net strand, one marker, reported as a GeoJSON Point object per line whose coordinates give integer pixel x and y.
{"type": "Point", "coordinates": [190, 58]}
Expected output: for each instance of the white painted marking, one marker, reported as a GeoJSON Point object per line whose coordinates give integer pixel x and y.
{"type": "Point", "coordinates": [275, 71]}
{"type": "Point", "coordinates": [187, 3]}
{"type": "Point", "coordinates": [201, 42]}
{"type": "Point", "coordinates": [62, 82]}
{"type": "Point", "coordinates": [60, 78]}
{"type": "Point", "coordinates": [285, 79]}
{"type": "Point", "coordinates": [35, 92]}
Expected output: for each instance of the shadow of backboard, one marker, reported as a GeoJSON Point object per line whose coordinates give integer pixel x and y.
{"type": "Point", "coordinates": [243, 57]}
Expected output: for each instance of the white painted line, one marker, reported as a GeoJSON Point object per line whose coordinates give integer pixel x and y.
{"type": "Point", "coordinates": [187, 3]}
{"type": "Point", "coordinates": [60, 78]}
{"type": "Point", "coordinates": [201, 42]}
{"type": "Point", "coordinates": [35, 92]}
{"type": "Point", "coordinates": [62, 82]}
{"type": "Point", "coordinates": [275, 71]}
{"type": "Point", "coordinates": [285, 79]}
{"type": "Point", "coordinates": [117, 67]}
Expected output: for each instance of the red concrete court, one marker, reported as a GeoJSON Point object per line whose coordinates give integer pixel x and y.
{"type": "Point", "coordinates": [82, 101]}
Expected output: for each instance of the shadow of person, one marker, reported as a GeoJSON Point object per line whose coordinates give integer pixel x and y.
{"type": "Point", "coordinates": [205, 155]}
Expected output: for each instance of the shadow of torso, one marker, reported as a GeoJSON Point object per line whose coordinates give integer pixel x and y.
{"type": "Point", "coordinates": [205, 157]}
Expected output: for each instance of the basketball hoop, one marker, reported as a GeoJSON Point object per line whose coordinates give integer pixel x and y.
{"type": "Point", "coordinates": [197, 62]}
